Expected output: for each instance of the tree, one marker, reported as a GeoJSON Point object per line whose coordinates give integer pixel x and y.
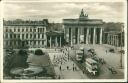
{"type": "Point", "coordinates": [111, 26]}
{"type": "Point", "coordinates": [39, 52]}
{"type": "Point", "coordinates": [15, 60]}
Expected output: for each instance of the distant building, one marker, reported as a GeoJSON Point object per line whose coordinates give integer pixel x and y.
{"type": "Point", "coordinates": [55, 39]}
{"type": "Point", "coordinates": [83, 30]}
{"type": "Point", "coordinates": [22, 34]}
{"type": "Point", "coordinates": [114, 38]}
{"type": "Point", "coordinates": [39, 34]}
{"type": "Point", "coordinates": [55, 35]}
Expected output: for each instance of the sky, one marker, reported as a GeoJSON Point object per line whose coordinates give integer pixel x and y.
{"type": "Point", "coordinates": [56, 11]}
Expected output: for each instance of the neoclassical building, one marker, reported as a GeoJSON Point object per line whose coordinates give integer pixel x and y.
{"type": "Point", "coordinates": [114, 38]}
{"type": "Point", "coordinates": [83, 30]}
{"type": "Point", "coordinates": [19, 33]}
{"type": "Point", "coordinates": [55, 39]}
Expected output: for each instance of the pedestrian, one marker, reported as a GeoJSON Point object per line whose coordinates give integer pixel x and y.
{"type": "Point", "coordinates": [59, 77]}
{"type": "Point", "coordinates": [83, 71]}
{"type": "Point", "coordinates": [106, 51]}
{"type": "Point", "coordinates": [73, 68]}
{"type": "Point", "coordinates": [54, 56]}
{"type": "Point", "coordinates": [67, 67]}
{"type": "Point", "coordinates": [60, 67]}
{"type": "Point", "coordinates": [61, 62]}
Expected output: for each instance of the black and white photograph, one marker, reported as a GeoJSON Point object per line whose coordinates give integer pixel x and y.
{"type": "Point", "coordinates": [64, 40]}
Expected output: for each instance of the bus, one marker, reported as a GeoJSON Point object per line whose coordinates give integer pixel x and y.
{"type": "Point", "coordinates": [79, 55]}
{"type": "Point", "coordinates": [91, 66]}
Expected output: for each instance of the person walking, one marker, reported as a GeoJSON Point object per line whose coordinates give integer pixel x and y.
{"type": "Point", "coordinates": [73, 68]}
{"type": "Point", "coordinates": [73, 64]}
{"type": "Point", "coordinates": [61, 62]}
{"type": "Point", "coordinates": [83, 72]}
{"type": "Point", "coordinates": [59, 77]}
{"type": "Point", "coordinates": [106, 51]}
{"type": "Point", "coordinates": [60, 67]}
{"type": "Point", "coordinates": [67, 67]}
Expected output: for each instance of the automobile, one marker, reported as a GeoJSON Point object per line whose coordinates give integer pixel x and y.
{"type": "Point", "coordinates": [10, 52]}
{"type": "Point", "coordinates": [122, 51]}
{"type": "Point", "coordinates": [112, 69]}
{"type": "Point", "coordinates": [102, 61]}
{"type": "Point", "coordinates": [91, 66]}
{"type": "Point", "coordinates": [111, 50]}
{"type": "Point", "coordinates": [92, 51]}
{"type": "Point", "coordinates": [95, 58]}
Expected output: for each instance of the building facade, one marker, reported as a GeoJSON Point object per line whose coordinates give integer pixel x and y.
{"type": "Point", "coordinates": [55, 39]}
{"type": "Point", "coordinates": [114, 38]}
{"type": "Point", "coordinates": [83, 30]}
{"type": "Point", "coordinates": [22, 34]}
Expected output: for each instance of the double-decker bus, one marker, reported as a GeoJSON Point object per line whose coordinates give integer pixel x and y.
{"type": "Point", "coordinates": [79, 55]}
{"type": "Point", "coordinates": [91, 66]}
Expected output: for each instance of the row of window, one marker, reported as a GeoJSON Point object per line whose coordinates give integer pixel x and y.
{"type": "Point", "coordinates": [24, 30]}
{"type": "Point", "coordinates": [11, 43]}
{"type": "Point", "coordinates": [23, 36]}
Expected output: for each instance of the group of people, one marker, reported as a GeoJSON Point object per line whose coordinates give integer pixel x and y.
{"type": "Point", "coordinates": [74, 68]}
{"type": "Point", "coordinates": [61, 57]}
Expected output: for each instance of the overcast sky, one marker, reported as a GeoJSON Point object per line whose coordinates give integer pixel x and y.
{"type": "Point", "coordinates": [56, 11]}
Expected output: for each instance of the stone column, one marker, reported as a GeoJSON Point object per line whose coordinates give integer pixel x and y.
{"type": "Point", "coordinates": [50, 41]}
{"type": "Point", "coordinates": [46, 41]}
{"type": "Point", "coordinates": [56, 41]}
{"type": "Point", "coordinates": [108, 39]}
{"type": "Point", "coordinates": [60, 41]}
{"type": "Point", "coordinates": [114, 40]}
{"type": "Point", "coordinates": [94, 34]}
{"type": "Point", "coordinates": [78, 37]}
{"type": "Point", "coordinates": [87, 36]}
{"type": "Point", "coordinates": [45, 37]}
{"type": "Point", "coordinates": [89, 39]}
{"type": "Point", "coordinates": [37, 43]}
{"type": "Point", "coordinates": [101, 36]}
{"type": "Point", "coordinates": [117, 41]}
{"type": "Point", "coordinates": [29, 43]}
{"type": "Point", "coordinates": [71, 37]}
